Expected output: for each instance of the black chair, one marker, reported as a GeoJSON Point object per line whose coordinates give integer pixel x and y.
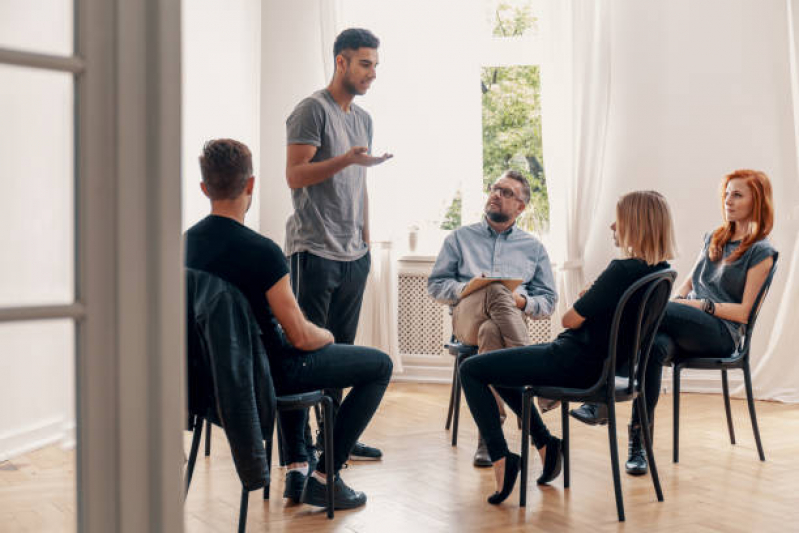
{"type": "Point", "coordinates": [284, 403]}
{"type": "Point", "coordinates": [738, 360]}
{"type": "Point", "coordinates": [226, 315]}
{"type": "Point", "coordinates": [645, 301]}
{"type": "Point", "coordinates": [461, 352]}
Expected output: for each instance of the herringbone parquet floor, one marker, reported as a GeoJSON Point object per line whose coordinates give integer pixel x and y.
{"type": "Point", "coordinates": [423, 484]}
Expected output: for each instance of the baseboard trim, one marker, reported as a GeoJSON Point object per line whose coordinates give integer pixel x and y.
{"type": "Point", "coordinates": [32, 437]}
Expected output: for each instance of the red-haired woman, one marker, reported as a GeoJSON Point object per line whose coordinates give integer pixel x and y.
{"type": "Point", "coordinates": [709, 313]}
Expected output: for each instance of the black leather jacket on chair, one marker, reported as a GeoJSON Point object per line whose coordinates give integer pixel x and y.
{"type": "Point", "coordinates": [228, 368]}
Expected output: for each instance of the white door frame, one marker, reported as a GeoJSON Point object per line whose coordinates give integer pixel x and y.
{"type": "Point", "coordinates": [128, 295]}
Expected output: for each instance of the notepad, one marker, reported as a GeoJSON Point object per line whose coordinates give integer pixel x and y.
{"type": "Point", "coordinates": [478, 283]}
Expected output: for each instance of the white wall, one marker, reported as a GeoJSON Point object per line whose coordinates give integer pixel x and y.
{"type": "Point", "coordinates": [221, 89]}
{"type": "Point", "coordinates": [699, 89]}
{"type": "Point", "coordinates": [291, 69]}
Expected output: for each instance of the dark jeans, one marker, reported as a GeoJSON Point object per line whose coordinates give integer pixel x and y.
{"type": "Point", "coordinates": [509, 371]}
{"type": "Point", "coordinates": [330, 294]}
{"type": "Point", "coordinates": [366, 370]}
{"type": "Point", "coordinates": [689, 332]}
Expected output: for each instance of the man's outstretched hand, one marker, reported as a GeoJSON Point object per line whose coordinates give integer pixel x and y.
{"type": "Point", "coordinates": [359, 155]}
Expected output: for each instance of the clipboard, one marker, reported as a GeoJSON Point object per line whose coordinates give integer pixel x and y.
{"type": "Point", "coordinates": [478, 283]}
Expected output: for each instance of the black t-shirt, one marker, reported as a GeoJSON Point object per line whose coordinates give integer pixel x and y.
{"type": "Point", "coordinates": [598, 305]}
{"type": "Point", "coordinates": [253, 263]}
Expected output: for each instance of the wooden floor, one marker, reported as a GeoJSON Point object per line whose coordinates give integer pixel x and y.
{"type": "Point", "coordinates": [423, 484]}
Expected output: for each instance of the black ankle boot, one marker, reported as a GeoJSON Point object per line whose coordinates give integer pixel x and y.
{"type": "Point", "coordinates": [636, 464]}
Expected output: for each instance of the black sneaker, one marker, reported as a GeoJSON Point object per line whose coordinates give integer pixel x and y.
{"type": "Point", "coordinates": [295, 481]}
{"type": "Point", "coordinates": [362, 452]}
{"type": "Point", "coordinates": [344, 497]}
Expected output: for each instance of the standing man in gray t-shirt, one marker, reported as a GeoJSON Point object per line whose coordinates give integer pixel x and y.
{"type": "Point", "coordinates": [327, 237]}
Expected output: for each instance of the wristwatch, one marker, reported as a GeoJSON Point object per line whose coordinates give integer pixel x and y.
{"type": "Point", "coordinates": [709, 307]}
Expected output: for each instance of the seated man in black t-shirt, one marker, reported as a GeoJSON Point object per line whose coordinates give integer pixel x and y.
{"type": "Point", "coordinates": [301, 355]}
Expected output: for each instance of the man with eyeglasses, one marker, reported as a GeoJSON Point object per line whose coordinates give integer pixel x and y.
{"type": "Point", "coordinates": [492, 318]}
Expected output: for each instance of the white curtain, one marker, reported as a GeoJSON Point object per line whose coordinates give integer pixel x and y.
{"type": "Point", "coordinates": [378, 323]}
{"type": "Point", "coordinates": [776, 376]}
{"type": "Point", "coordinates": [574, 103]}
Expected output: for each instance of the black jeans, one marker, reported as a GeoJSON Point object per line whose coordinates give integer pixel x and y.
{"type": "Point", "coordinates": [688, 331]}
{"type": "Point", "coordinates": [509, 371]}
{"type": "Point", "coordinates": [366, 370]}
{"type": "Point", "coordinates": [330, 294]}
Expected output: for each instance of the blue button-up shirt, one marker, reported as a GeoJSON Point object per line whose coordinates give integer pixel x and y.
{"type": "Point", "coordinates": [476, 250]}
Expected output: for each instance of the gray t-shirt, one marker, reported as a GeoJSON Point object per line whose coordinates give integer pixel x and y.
{"type": "Point", "coordinates": [328, 218]}
{"type": "Point", "coordinates": [723, 282]}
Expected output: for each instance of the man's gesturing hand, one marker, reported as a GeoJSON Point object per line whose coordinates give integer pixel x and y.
{"type": "Point", "coordinates": [359, 155]}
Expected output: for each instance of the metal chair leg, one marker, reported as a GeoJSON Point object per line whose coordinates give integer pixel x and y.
{"type": "Point", "coordinates": [195, 446]}
{"type": "Point", "coordinates": [268, 445]}
{"type": "Point", "coordinates": [456, 413]}
{"type": "Point", "coordinates": [208, 436]}
{"type": "Point", "coordinates": [527, 399]}
{"type": "Point", "coordinates": [725, 389]}
{"type": "Point", "coordinates": [451, 408]}
{"type": "Point", "coordinates": [281, 456]}
{"type": "Point", "coordinates": [327, 408]}
{"type": "Point", "coordinates": [676, 432]}
{"type": "Point", "coordinates": [243, 510]}
{"type": "Point", "coordinates": [750, 400]}
{"type": "Point", "coordinates": [650, 454]}
{"type": "Point", "coordinates": [614, 459]}
{"type": "Point", "coordinates": [564, 422]}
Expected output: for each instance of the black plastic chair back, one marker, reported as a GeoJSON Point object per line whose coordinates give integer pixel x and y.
{"type": "Point", "coordinates": [640, 310]}
{"type": "Point", "coordinates": [743, 350]}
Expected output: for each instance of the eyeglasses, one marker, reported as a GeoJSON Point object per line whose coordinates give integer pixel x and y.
{"type": "Point", "coordinates": [503, 191]}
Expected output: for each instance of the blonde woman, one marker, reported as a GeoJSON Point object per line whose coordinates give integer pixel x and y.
{"type": "Point", "coordinates": [644, 233]}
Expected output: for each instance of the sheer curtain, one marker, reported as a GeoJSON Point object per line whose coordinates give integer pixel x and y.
{"type": "Point", "coordinates": [575, 102]}
{"type": "Point", "coordinates": [776, 375]}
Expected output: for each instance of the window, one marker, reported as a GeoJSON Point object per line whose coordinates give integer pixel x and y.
{"type": "Point", "coordinates": [510, 84]}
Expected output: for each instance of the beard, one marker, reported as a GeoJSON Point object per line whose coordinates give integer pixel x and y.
{"type": "Point", "coordinates": [352, 88]}
{"type": "Point", "coordinates": [497, 216]}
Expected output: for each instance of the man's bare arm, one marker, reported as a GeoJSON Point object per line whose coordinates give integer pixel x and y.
{"type": "Point", "coordinates": [301, 172]}
{"type": "Point", "coordinates": [301, 333]}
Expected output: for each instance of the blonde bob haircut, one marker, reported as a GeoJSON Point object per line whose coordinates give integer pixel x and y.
{"type": "Point", "coordinates": [645, 227]}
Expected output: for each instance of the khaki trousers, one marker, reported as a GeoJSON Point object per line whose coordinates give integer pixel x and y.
{"type": "Point", "coordinates": [490, 320]}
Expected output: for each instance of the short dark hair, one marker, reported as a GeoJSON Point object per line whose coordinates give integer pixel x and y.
{"type": "Point", "coordinates": [354, 38]}
{"type": "Point", "coordinates": [518, 176]}
{"type": "Point", "coordinates": [225, 165]}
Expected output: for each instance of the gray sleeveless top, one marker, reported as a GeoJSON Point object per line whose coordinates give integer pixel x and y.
{"type": "Point", "coordinates": [723, 282]}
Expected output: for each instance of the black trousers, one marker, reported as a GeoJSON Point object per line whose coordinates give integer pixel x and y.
{"type": "Point", "coordinates": [509, 371]}
{"type": "Point", "coordinates": [366, 370]}
{"type": "Point", "coordinates": [330, 293]}
{"type": "Point", "coordinates": [692, 333]}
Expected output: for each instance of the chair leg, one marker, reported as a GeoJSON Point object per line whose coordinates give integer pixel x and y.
{"type": "Point", "coordinates": [614, 459]}
{"type": "Point", "coordinates": [243, 510]}
{"type": "Point", "coordinates": [195, 447]}
{"type": "Point", "coordinates": [327, 434]}
{"type": "Point", "coordinates": [725, 389]}
{"type": "Point", "coordinates": [281, 455]}
{"type": "Point", "coordinates": [208, 436]}
{"type": "Point", "coordinates": [676, 393]}
{"type": "Point", "coordinates": [564, 423]}
{"type": "Point", "coordinates": [650, 454]}
{"type": "Point", "coordinates": [268, 445]}
{"type": "Point", "coordinates": [457, 412]}
{"type": "Point", "coordinates": [451, 408]}
{"type": "Point", "coordinates": [527, 399]}
{"type": "Point", "coordinates": [750, 400]}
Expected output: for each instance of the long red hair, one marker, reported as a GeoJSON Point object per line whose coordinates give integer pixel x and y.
{"type": "Point", "coordinates": [762, 215]}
